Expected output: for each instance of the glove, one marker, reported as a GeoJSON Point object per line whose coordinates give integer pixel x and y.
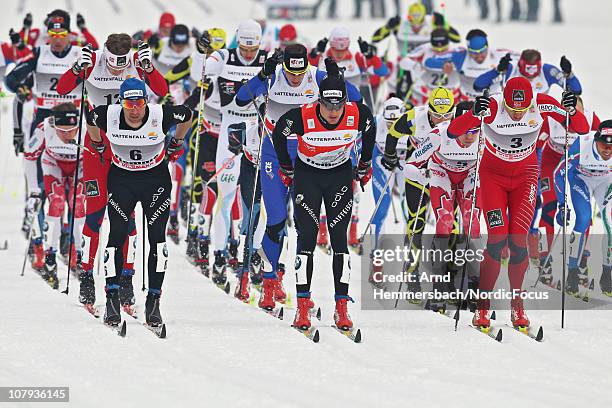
{"type": "Point", "coordinates": [390, 161]}
{"type": "Point", "coordinates": [24, 93]}
{"type": "Point", "coordinates": [286, 175]}
{"type": "Point", "coordinates": [236, 134]}
{"type": "Point", "coordinates": [80, 21]}
{"type": "Point", "coordinates": [366, 49]}
{"type": "Point", "coordinates": [270, 65]}
{"type": "Point", "coordinates": [569, 101]}
{"type": "Point", "coordinates": [34, 202]}
{"type": "Point", "coordinates": [85, 59]}
{"type": "Point", "coordinates": [153, 41]}
{"type": "Point", "coordinates": [566, 66]}
{"type": "Point", "coordinates": [99, 146]}
{"type": "Point", "coordinates": [481, 105]}
{"type": "Point", "coordinates": [504, 63]}
{"type": "Point", "coordinates": [203, 43]}
{"type": "Point", "coordinates": [393, 23]}
{"type": "Point", "coordinates": [364, 172]}
{"type": "Point", "coordinates": [15, 37]}
{"type": "Point", "coordinates": [331, 67]}
{"type": "Point", "coordinates": [174, 150]}
{"type": "Point", "coordinates": [167, 99]}
{"type": "Point", "coordinates": [560, 217]}
{"type": "Point", "coordinates": [18, 141]}
{"type": "Point", "coordinates": [27, 21]}
{"type": "Point", "coordinates": [145, 56]}
{"type": "Point", "coordinates": [195, 33]}
{"type": "Point", "coordinates": [321, 45]}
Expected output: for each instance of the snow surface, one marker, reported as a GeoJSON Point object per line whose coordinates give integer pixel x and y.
{"type": "Point", "coordinates": [220, 352]}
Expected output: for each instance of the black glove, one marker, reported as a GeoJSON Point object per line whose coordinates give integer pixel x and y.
{"type": "Point", "coordinates": [18, 140]}
{"type": "Point", "coordinates": [390, 161]}
{"type": "Point", "coordinates": [80, 21]}
{"type": "Point", "coordinates": [438, 20]}
{"type": "Point", "coordinates": [366, 49]}
{"type": "Point", "coordinates": [504, 63]}
{"type": "Point", "coordinates": [331, 67]}
{"type": "Point", "coordinates": [236, 134]}
{"type": "Point", "coordinates": [203, 44]}
{"type": "Point", "coordinates": [566, 66]}
{"type": "Point", "coordinates": [27, 21]}
{"type": "Point", "coordinates": [173, 148]}
{"type": "Point", "coordinates": [321, 45]}
{"type": "Point", "coordinates": [393, 23]}
{"type": "Point", "coordinates": [195, 33]}
{"type": "Point", "coordinates": [24, 93]}
{"type": "Point", "coordinates": [363, 172]}
{"type": "Point", "coordinates": [270, 65]}
{"type": "Point", "coordinates": [15, 37]}
{"type": "Point", "coordinates": [569, 100]}
{"type": "Point", "coordinates": [153, 41]}
{"type": "Point", "coordinates": [481, 105]}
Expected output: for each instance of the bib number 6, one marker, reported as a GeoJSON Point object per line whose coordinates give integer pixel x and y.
{"type": "Point", "coordinates": [135, 154]}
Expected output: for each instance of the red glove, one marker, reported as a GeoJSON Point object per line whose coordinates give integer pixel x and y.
{"type": "Point", "coordinates": [364, 172]}
{"type": "Point", "coordinates": [175, 149]}
{"type": "Point", "coordinates": [286, 175]}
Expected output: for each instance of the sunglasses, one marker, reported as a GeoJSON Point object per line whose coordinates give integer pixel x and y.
{"type": "Point", "coordinates": [56, 34]}
{"type": "Point", "coordinates": [133, 103]}
{"type": "Point", "coordinates": [445, 116]}
{"type": "Point", "coordinates": [472, 131]}
{"type": "Point", "coordinates": [473, 51]}
{"type": "Point", "coordinates": [332, 106]}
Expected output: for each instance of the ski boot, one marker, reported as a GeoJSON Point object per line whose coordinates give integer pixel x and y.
{"type": "Point", "coordinates": [413, 285]}
{"type": "Point", "coordinates": [266, 300]}
{"type": "Point", "coordinates": [184, 203]}
{"type": "Point", "coordinates": [202, 255]}
{"type": "Point", "coordinates": [192, 246]}
{"type": "Point", "coordinates": [375, 277]}
{"type": "Point", "coordinates": [438, 305]}
{"type": "Point", "coordinates": [256, 271]}
{"type": "Point", "coordinates": [533, 246]}
{"type": "Point", "coordinates": [571, 284]}
{"type": "Point", "coordinates": [473, 284]}
{"type": "Point", "coordinates": [481, 316]}
{"type": "Point", "coordinates": [112, 314]}
{"type": "Point", "coordinates": [173, 228]}
{"type": "Point", "coordinates": [519, 319]}
{"type": "Point", "coordinates": [26, 224]}
{"type": "Point", "coordinates": [38, 255]}
{"type": "Point", "coordinates": [302, 314]}
{"type": "Point", "coordinates": [232, 251]}
{"type": "Point", "coordinates": [75, 260]}
{"type": "Point", "coordinates": [545, 270]}
{"type": "Point", "coordinates": [605, 281]}
{"type": "Point", "coordinates": [126, 292]}
{"type": "Point", "coordinates": [353, 241]}
{"type": "Point", "coordinates": [50, 269]}
{"type": "Point", "coordinates": [341, 317]}
{"type": "Point", "coordinates": [64, 243]}
{"type": "Point", "coordinates": [152, 314]}
{"type": "Point", "coordinates": [87, 289]}
{"type": "Point", "coordinates": [218, 274]}
{"type": "Point", "coordinates": [322, 237]}
{"type": "Point", "coordinates": [242, 288]}
{"type": "Point", "coordinates": [279, 291]}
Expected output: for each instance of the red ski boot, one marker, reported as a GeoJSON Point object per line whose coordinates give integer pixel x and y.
{"type": "Point", "coordinates": [242, 289]}
{"type": "Point", "coordinates": [322, 237]}
{"type": "Point", "coordinates": [38, 255]}
{"type": "Point", "coordinates": [279, 291]}
{"type": "Point", "coordinates": [353, 241]}
{"type": "Point", "coordinates": [533, 246]}
{"type": "Point", "coordinates": [302, 314]}
{"type": "Point", "coordinates": [517, 314]}
{"type": "Point", "coordinates": [341, 317]}
{"type": "Point", "coordinates": [266, 301]}
{"type": "Point", "coordinates": [481, 315]}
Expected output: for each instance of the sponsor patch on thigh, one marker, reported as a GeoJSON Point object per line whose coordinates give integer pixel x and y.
{"type": "Point", "coordinates": [495, 218]}
{"type": "Point", "coordinates": [91, 188]}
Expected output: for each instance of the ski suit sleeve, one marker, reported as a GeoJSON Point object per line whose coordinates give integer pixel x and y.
{"type": "Point", "coordinates": [154, 79]}
{"type": "Point", "coordinates": [554, 75]}
{"type": "Point", "coordinates": [426, 148]}
{"type": "Point", "coordinates": [173, 115]}
{"type": "Point", "coordinates": [486, 79]}
{"type": "Point", "coordinates": [403, 126]}
{"type": "Point", "coordinates": [437, 63]}
{"type": "Point", "coordinates": [90, 39]}
{"type": "Point", "coordinates": [215, 63]}
{"type": "Point", "coordinates": [461, 124]}
{"type": "Point", "coordinates": [97, 117]}
{"type": "Point", "coordinates": [69, 80]}
{"type": "Point", "coordinates": [179, 71]}
{"type": "Point", "coordinates": [288, 124]}
{"type": "Point", "coordinates": [31, 153]}
{"type": "Point", "coordinates": [21, 72]}
{"type": "Point", "coordinates": [574, 157]}
{"type": "Point", "coordinates": [380, 69]}
{"type": "Point", "coordinates": [367, 127]}
{"type": "Point", "coordinates": [255, 87]}
{"type": "Point", "coordinates": [550, 108]}
{"type": "Point", "coordinates": [596, 122]}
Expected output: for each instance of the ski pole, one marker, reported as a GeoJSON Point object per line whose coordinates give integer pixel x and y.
{"type": "Point", "coordinates": [564, 226]}
{"type": "Point", "coordinates": [473, 207]}
{"type": "Point", "coordinates": [33, 225]}
{"type": "Point", "coordinates": [378, 202]}
{"type": "Point", "coordinates": [214, 176]}
{"type": "Point", "coordinates": [75, 181]}
{"type": "Point", "coordinates": [144, 240]}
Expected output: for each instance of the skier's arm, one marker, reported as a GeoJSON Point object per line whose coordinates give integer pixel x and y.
{"type": "Point", "coordinates": [554, 75]}
{"type": "Point", "coordinates": [486, 79]}
{"type": "Point", "coordinates": [437, 63]}
{"type": "Point", "coordinates": [596, 122]}
{"type": "Point", "coordinates": [574, 157]}
{"type": "Point", "coordinates": [215, 63]}
{"type": "Point", "coordinates": [178, 115]}
{"type": "Point", "coordinates": [549, 107]}
{"type": "Point", "coordinates": [96, 120]}
{"type": "Point", "coordinates": [256, 86]}
{"type": "Point", "coordinates": [461, 124]}
{"type": "Point", "coordinates": [154, 79]}
{"type": "Point", "coordinates": [426, 148]}
{"type": "Point", "coordinates": [21, 72]}
{"type": "Point", "coordinates": [179, 71]}
{"type": "Point", "coordinates": [367, 127]}
{"type": "Point", "coordinates": [288, 124]}
{"type": "Point", "coordinates": [69, 80]}
{"type": "Point", "coordinates": [403, 126]}
{"type": "Point", "coordinates": [31, 154]}
{"type": "Point", "coordinates": [89, 38]}
{"type": "Point", "coordinates": [380, 69]}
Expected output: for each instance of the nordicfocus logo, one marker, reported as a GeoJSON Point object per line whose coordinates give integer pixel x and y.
{"type": "Point", "coordinates": [296, 63]}
{"type": "Point", "coordinates": [134, 93]}
{"type": "Point", "coordinates": [332, 93]}
{"type": "Point", "coordinates": [441, 101]}
{"type": "Point", "coordinates": [518, 95]}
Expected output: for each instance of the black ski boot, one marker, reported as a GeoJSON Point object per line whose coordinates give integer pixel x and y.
{"type": "Point", "coordinates": [152, 313]}
{"type": "Point", "coordinates": [173, 228]}
{"type": "Point", "coordinates": [112, 314]}
{"type": "Point", "coordinates": [50, 269]}
{"type": "Point", "coordinates": [184, 203]}
{"type": "Point", "coordinates": [192, 246]}
{"type": "Point", "coordinates": [64, 244]}
{"type": "Point", "coordinates": [571, 285]}
{"type": "Point", "coordinates": [256, 270]}
{"type": "Point", "coordinates": [232, 251]}
{"type": "Point", "coordinates": [545, 270]}
{"type": "Point", "coordinates": [218, 274]}
{"type": "Point", "coordinates": [87, 290]}
{"type": "Point", "coordinates": [605, 281]}
{"type": "Point", "coordinates": [438, 305]}
{"type": "Point", "coordinates": [126, 290]}
{"type": "Point", "coordinates": [202, 259]}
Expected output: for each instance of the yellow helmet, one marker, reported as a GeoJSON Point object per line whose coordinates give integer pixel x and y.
{"type": "Point", "coordinates": [218, 38]}
{"type": "Point", "coordinates": [416, 13]}
{"type": "Point", "coordinates": [441, 100]}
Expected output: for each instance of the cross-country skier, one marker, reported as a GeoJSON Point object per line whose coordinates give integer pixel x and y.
{"type": "Point", "coordinates": [289, 84]}
{"type": "Point", "coordinates": [136, 133]}
{"type": "Point", "coordinates": [326, 131]}
{"type": "Point", "coordinates": [509, 178]}
{"type": "Point", "coordinates": [589, 173]}
{"type": "Point", "coordinates": [172, 50]}
{"type": "Point", "coordinates": [53, 141]}
{"type": "Point", "coordinates": [35, 37]}
{"type": "Point", "coordinates": [166, 23]}
{"type": "Point", "coordinates": [104, 72]}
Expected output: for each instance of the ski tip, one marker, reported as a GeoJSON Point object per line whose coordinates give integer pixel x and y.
{"type": "Point", "coordinates": [358, 336]}
{"type": "Point", "coordinates": [456, 315]}
{"type": "Point", "coordinates": [499, 336]}
{"type": "Point", "coordinates": [540, 335]}
{"type": "Point", "coordinates": [427, 307]}
{"type": "Point", "coordinates": [281, 313]}
{"type": "Point", "coordinates": [227, 288]}
{"type": "Point", "coordinates": [493, 315]}
{"type": "Point", "coordinates": [318, 315]}
{"type": "Point", "coordinates": [162, 333]}
{"type": "Point", "coordinates": [123, 330]}
{"type": "Point", "coordinates": [315, 338]}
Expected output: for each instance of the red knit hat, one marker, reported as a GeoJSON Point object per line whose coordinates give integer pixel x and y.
{"type": "Point", "coordinates": [287, 33]}
{"type": "Point", "coordinates": [518, 94]}
{"type": "Point", "coordinates": [166, 20]}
